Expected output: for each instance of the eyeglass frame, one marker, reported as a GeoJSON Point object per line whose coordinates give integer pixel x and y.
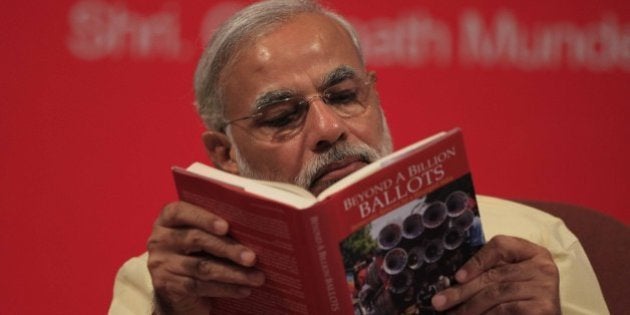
{"type": "Point", "coordinates": [371, 79]}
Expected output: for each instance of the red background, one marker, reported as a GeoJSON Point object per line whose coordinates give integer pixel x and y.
{"type": "Point", "coordinates": [95, 112]}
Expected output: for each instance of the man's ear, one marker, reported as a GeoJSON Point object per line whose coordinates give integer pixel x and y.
{"type": "Point", "coordinates": [220, 151]}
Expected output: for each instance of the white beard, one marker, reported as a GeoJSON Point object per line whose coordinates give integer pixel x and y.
{"type": "Point", "coordinates": [338, 152]}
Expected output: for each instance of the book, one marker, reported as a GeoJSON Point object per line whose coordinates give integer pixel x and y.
{"type": "Point", "coordinates": [382, 240]}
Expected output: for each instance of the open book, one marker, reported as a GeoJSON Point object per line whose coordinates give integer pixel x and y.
{"type": "Point", "coordinates": [382, 240]}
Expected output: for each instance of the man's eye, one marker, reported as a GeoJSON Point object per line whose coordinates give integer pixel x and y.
{"type": "Point", "coordinates": [279, 118]}
{"type": "Point", "coordinates": [341, 97]}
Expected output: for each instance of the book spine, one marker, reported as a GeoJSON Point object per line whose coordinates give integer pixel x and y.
{"type": "Point", "coordinates": [327, 275]}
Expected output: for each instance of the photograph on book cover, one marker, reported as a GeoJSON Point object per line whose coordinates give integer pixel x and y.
{"type": "Point", "coordinates": [397, 262]}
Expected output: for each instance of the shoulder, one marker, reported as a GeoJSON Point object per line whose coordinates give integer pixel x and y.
{"type": "Point", "coordinates": [500, 216]}
{"type": "Point", "coordinates": [579, 290]}
{"type": "Point", "coordinates": [134, 271]}
{"type": "Point", "coordinates": [133, 290]}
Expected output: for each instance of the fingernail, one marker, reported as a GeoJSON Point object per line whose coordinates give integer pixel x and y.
{"type": "Point", "coordinates": [248, 257]}
{"type": "Point", "coordinates": [257, 278]}
{"type": "Point", "coordinates": [438, 301]}
{"type": "Point", "coordinates": [220, 227]}
{"type": "Point", "coordinates": [460, 276]}
{"type": "Point", "coordinates": [244, 292]}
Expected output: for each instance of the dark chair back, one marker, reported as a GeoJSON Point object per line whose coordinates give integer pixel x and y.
{"type": "Point", "coordinates": [607, 244]}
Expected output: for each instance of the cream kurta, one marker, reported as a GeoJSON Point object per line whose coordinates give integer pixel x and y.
{"type": "Point", "coordinates": [579, 290]}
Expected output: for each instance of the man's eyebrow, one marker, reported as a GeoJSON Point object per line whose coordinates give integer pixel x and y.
{"type": "Point", "coordinates": [272, 97]}
{"type": "Point", "coordinates": [341, 73]}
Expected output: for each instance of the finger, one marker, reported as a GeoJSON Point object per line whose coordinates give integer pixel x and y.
{"type": "Point", "coordinates": [504, 296]}
{"type": "Point", "coordinates": [499, 250]}
{"type": "Point", "coordinates": [181, 214]}
{"type": "Point", "coordinates": [492, 295]}
{"type": "Point", "coordinates": [177, 287]}
{"type": "Point", "coordinates": [525, 307]}
{"type": "Point", "coordinates": [537, 277]}
{"type": "Point", "coordinates": [210, 269]}
{"type": "Point", "coordinates": [483, 299]}
{"type": "Point", "coordinates": [190, 241]}
{"type": "Point", "coordinates": [455, 295]}
{"type": "Point", "coordinates": [218, 289]}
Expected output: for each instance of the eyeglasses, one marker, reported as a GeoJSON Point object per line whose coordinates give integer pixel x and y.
{"type": "Point", "coordinates": [283, 118]}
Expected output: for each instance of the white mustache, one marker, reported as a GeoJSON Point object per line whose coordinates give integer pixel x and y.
{"type": "Point", "coordinates": [339, 152]}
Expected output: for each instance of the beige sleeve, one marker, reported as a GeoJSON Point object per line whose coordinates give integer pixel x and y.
{"type": "Point", "coordinates": [133, 291]}
{"type": "Point", "coordinates": [580, 292]}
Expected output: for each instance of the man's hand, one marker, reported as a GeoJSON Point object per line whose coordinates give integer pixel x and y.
{"type": "Point", "coordinates": [508, 275]}
{"type": "Point", "coordinates": [191, 259]}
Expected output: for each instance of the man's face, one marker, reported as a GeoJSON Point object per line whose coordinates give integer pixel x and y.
{"type": "Point", "coordinates": [300, 57]}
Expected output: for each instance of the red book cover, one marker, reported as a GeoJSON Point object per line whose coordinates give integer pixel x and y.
{"type": "Point", "coordinates": [381, 241]}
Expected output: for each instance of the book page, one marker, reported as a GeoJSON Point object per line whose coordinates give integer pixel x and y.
{"type": "Point", "coordinates": [299, 197]}
{"type": "Point", "coordinates": [282, 192]}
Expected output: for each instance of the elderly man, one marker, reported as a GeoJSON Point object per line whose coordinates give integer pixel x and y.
{"type": "Point", "coordinates": [286, 96]}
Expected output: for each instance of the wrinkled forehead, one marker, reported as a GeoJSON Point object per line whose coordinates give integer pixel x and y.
{"type": "Point", "coordinates": [295, 37]}
{"type": "Point", "coordinates": [288, 55]}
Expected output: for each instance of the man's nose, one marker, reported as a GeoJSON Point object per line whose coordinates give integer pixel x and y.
{"type": "Point", "coordinates": [324, 127]}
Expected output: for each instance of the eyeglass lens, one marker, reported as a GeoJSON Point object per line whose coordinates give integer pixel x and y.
{"type": "Point", "coordinates": [285, 117]}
